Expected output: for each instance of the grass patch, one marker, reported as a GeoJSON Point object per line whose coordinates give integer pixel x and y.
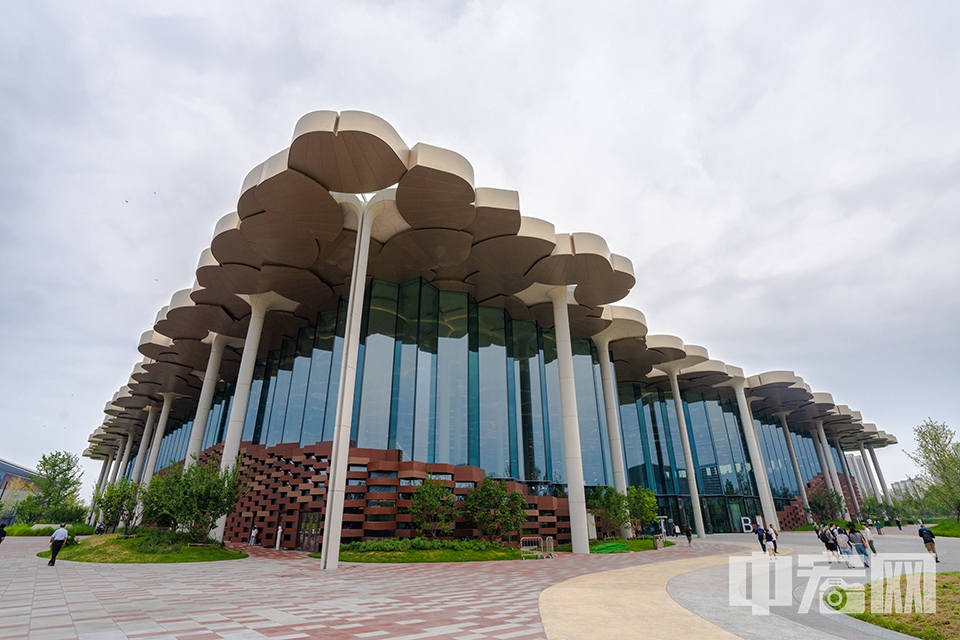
{"type": "Point", "coordinates": [947, 529]}
{"type": "Point", "coordinates": [27, 530]}
{"type": "Point", "coordinates": [428, 555]}
{"type": "Point", "coordinates": [116, 550]}
{"type": "Point", "coordinates": [393, 550]}
{"type": "Point", "coordinates": [942, 625]}
{"type": "Point", "coordinates": [809, 527]}
{"type": "Point", "coordinates": [618, 546]}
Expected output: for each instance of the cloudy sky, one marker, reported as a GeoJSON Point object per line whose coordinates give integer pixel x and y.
{"type": "Point", "coordinates": [784, 176]}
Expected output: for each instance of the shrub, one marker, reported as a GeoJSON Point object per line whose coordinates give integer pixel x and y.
{"type": "Point", "coordinates": [419, 544]}
{"type": "Point", "coordinates": [159, 541]}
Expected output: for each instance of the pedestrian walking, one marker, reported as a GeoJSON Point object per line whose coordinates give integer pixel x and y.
{"type": "Point", "coordinates": [3, 532]}
{"type": "Point", "coordinates": [879, 525]}
{"type": "Point", "coordinates": [688, 531]}
{"type": "Point", "coordinates": [772, 541]}
{"type": "Point", "coordinates": [869, 538]}
{"type": "Point", "coordinates": [929, 542]}
{"type": "Point", "coordinates": [253, 535]}
{"type": "Point", "coordinates": [857, 539]}
{"type": "Point", "coordinates": [843, 545]}
{"type": "Point", "coordinates": [761, 534]}
{"type": "Point", "coordinates": [897, 520]}
{"type": "Point", "coordinates": [676, 531]}
{"type": "Point", "coordinates": [828, 540]}
{"type": "Point", "coordinates": [56, 543]}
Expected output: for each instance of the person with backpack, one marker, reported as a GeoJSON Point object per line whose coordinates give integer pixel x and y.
{"type": "Point", "coordinates": [929, 542]}
{"type": "Point", "coordinates": [761, 534]}
{"type": "Point", "coordinates": [771, 539]}
{"type": "Point", "coordinates": [826, 537]}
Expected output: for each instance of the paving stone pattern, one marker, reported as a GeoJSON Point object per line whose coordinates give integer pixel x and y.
{"type": "Point", "coordinates": [283, 594]}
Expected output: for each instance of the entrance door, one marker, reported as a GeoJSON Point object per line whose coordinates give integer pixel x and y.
{"type": "Point", "coordinates": [736, 512]}
{"type": "Point", "coordinates": [310, 534]}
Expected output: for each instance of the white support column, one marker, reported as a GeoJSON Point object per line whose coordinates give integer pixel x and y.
{"type": "Point", "coordinates": [756, 454]}
{"type": "Point", "coordinates": [94, 516]}
{"type": "Point", "coordinates": [832, 468]}
{"type": "Point", "coordinates": [144, 444]}
{"type": "Point", "coordinates": [795, 464]}
{"type": "Point", "coordinates": [672, 370]}
{"type": "Point", "coordinates": [883, 483]}
{"type": "Point", "coordinates": [126, 456]}
{"type": "Point", "coordinates": [210, 378]}
{"type": "Point", "coordinates": [573, 458]}
{"type": "Point", "coordinates": [151, 465]}
{"type": "Point", "coordinates": [849, 478]}
{"type": "Point", "coordinates": [818, 447]}
{"type": "Point", "coordinates": [612, 406]}
{"type": "Point", "coordinates": [343, 423]}
{"type": "Point", "coordinates": [260, 305]}
{"type": "Point", "coordinates": [116, 460]}
{"type": "Point", "coordinates": [866, 467]}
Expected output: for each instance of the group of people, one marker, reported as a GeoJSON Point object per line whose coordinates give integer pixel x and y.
{"type": "Point", "coordinates": [767, 536]}
{"type": "Point", "coordinates": [842, 543]}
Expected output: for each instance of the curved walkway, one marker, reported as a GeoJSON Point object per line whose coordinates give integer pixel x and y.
{"type": "Point", "coordinates": [281, 595]}
{"type": "Point", "coordinates": [680, 592]}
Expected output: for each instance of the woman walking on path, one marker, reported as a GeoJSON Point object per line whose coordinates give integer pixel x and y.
{"type": "Point", "coordinates": [843, 544]}
{"type": "Point", "coordinates": [857, 539]}
{"type": "Point", "coordinates": [688, 531]}
{"type": "Point", "coordinates": [772, 542]}
{"type": "Point", "coordinates": [869, 538]}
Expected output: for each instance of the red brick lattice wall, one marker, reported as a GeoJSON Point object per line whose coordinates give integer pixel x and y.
{"type": "Point", "coordinates": [793, 515]}
{"type": "Point", "coordinates": [288, 480]}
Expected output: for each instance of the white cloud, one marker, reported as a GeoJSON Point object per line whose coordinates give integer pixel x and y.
{"type": "Point", "coordinates": [784, 177]}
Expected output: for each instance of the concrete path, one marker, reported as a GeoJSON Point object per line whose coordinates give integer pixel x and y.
{"type": "Point", "coordinates": [283, 595]}
{"type": "Point", "coordinates": [680, 592]}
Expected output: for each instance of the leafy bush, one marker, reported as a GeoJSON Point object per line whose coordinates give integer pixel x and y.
{"type": "Point", "coordinates": [419, 544]}
{"type": "Point", "coordinates": [162, 541]}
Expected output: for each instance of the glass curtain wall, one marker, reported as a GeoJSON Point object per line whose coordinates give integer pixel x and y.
{"type": "Point", "coordinates": [653, 455]}
{"type": "Point", "coordinates": [439, 378]}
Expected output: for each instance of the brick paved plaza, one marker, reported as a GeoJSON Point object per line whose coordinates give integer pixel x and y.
{"type": "Point", "coordinates": [282, 594]}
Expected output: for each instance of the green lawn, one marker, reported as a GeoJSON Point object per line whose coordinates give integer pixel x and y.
{"type": "Point", "coordinates": [115, 550]}
{"type": "Point", "coordinates": [947, 529]}
{"type": "Point", "coordinates": [428, 555]}
{"type": "Point", "coordinates": [618, 546]}
{"type": "Point", "coordinates": [941, 625]}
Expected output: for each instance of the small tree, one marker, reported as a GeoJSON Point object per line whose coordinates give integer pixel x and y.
{"type": "Point", "coordinates": [513, 514]}
{"type": "Point", "coordinates": [642, 507]}
{"type": "Point", "coordinates": [119, 502]}
{"type": "Point", "coordinates": [207, 494]}
{"type": "Point", "coordinates": [195, 499]}
{"type": "Point", "coordinates": [433, 508]}
{"type": "Point", "coordinates": [824, 505]}
{"type": "Point", "coordinates": [57, 496]}
{"type": "Point", "coordinates": [484, 503]}
{"type": "Point", "coordinates": [939, 457]}
{"type": "Point", "coordinates": [871, 508]}
{"type": "Point", "coordinates": [609, 507]}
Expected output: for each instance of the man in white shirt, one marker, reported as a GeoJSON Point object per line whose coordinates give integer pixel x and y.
{"type": "Point", "coordinates": [56, 543]}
